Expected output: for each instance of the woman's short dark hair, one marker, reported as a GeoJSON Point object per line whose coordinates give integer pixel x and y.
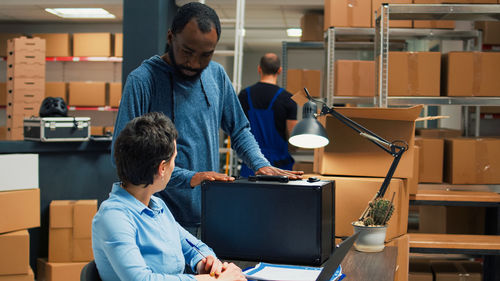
{"type": "Point", "coordinates": [142, 145]}
{"type": "Point", "coordinates": [205, 16]}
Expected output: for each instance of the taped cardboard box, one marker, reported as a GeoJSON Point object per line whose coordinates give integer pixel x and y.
{"type": "Point", "coordinates": [420, 271]}
{"type": "Point", "coordinates": [115, 94]}
{"type": "Point", "coordinates": [22, 208]}
{"type": "Point", "coordinates": [491, 31]}
{"type": "Point", "coordinates": [56, 90]}
{"type": "Point", "coordinates": [352, 195]}
{"type": "Point", "coordinates": [56, 44]}
{"type": "Point", "coordinates": [431, 160]}
{"type": "Point", "coordinates": [471, 74]}
{"type": "Point", "coordinates": [14, 258]}
{"type": "Point", "coordinates": [18, 171]}
{"type": "Point", "coordinates": [403, 260]}
{"type": "Point", "coordinates": [58, 271]}
{"type": "Point", "coordinates": [306, 167]}
{"type": "Point", "coordinates": [414, 73]}
{"type": "Point", "coordinates": [451, 220]}
{"type": "Point", "coordinates": [4, 37]}
{"type": "Point", "coordinates": [25, 45]}
{"type": "Point", "coordinates": [30, 276]}
{"type": "Point", "coordinates": [392, 23]}
{"type": "Point", "coordinates": [312, 26]}
{"type": "Point", "coordinates": [349, 154]}
{"type": "Point", "coordinates": [438, 133]}
{"type": "Point", "coordinates": [87, 94]}
{"type": "Point", "coordinates": [118, 45]}
{"type": "Point", "coordinates": [354, 78]}
{"type": "Point", "coordinates": [472, 161]}
{"type": "Point", "coordinates": [298, 79]}
{"type": "Point", "coordinates": [92, 44]}
{"type": "Point", "coordinates": [348, 13]}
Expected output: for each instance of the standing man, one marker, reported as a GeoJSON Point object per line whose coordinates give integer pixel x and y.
{"type": "Point", "coordinates": [272, 114]}
{"type": "Point", "coordinates": [197, 95]}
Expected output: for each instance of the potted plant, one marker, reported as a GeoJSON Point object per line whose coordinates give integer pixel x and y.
{"type": "Point", "coordinates": [373, 225]}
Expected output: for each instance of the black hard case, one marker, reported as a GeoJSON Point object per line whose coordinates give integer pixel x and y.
{"type": "Point", "coordinates": [269, 221]}
{"type": "Point", "coordinates": [57, 129]}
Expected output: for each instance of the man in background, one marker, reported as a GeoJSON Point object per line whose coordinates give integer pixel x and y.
{"type": "Point", "coordinates": [272, 114]}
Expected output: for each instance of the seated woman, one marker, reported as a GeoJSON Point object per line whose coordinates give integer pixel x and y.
{"type": "Point", "coordinates": [134, 235]}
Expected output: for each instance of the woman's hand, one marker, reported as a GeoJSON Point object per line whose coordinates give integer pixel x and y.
{"type": "Point", "coordinates": [231, 272]}
{"type": "Point", "coordinates": [210, 265]}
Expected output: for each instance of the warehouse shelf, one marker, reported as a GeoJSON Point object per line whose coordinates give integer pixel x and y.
{"type": "Point", "coordinates": [93, 108]}
{"type": "Point", "coordinates": [469, 101]}
{"type": "Point", "coordinates": [93, 59]}
{"type": "Point", "coordinates": [443, 12]}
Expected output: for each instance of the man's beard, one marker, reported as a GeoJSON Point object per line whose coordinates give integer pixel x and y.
{"type": "Point", "coordinates": [178, 68]}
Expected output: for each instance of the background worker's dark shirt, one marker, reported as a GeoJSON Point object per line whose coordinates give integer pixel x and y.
{"type": "Point", "coordinates": [284, 107]}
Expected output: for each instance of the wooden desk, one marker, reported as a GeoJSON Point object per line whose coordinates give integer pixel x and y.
{"type": "Point", "coordinates": [370, 266]}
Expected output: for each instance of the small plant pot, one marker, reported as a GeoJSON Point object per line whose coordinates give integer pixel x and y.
{"type": "Point", "coordinates": [371, 238]}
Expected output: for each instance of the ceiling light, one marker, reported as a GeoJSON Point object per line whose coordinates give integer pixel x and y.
{"type": "Point", "coordinates": [81, 13]}
{"type": "Point", "coordinates": [294, 32]}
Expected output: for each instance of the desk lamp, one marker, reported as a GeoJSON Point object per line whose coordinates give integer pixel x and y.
{"type": "Point", "coordinates": [309, 133]}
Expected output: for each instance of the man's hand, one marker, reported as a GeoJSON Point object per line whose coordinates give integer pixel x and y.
{"type": "Point", "coordinates": [209, 176]}
{"type": "Point", "coordinates": [273, 171]}
{"type": "Point", "coordinates": [210, 265]}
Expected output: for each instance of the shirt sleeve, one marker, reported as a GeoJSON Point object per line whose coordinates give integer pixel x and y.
{"type": "Point", "coordinates": [243, 98]}
{"type": "Point", "coordinates": [291, 107]}
{"type": "Point", "coordinates": [192, 256]}
{"type": "Point", "coordinates": [117, 232]}
{"type": "Point", "coordinates": [236, 125]}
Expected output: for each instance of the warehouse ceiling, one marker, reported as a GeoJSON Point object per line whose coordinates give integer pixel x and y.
{"type": "Point", "coordinates": [265, 21]}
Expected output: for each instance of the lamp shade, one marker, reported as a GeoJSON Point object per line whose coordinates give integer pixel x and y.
{"type": "Point", "coordinates": [309, 133]}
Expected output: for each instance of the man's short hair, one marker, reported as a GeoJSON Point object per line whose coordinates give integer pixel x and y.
{"type": "Point", "coordinates": [205, 16]}
{"type": "Point", "coordinates": [142, 145]}
{"type": "Point", "coordinates": [270, 64]}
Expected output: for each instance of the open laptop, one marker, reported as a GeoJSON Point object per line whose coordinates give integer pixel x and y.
{"type": "Point", "coordinates": [330, 266]}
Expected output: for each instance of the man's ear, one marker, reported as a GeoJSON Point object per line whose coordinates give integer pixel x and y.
{"type": "Point", "coordinates": [259, 69]}
{"type": "Point", "coordinates": [170, 35]}
{"type": "Point", "coordinates": [279, 70]}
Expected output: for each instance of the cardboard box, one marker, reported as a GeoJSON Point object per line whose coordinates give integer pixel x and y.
{"type": "Point", "coordinates": [115, 94]}
{"type": "Point", "coordinates": [3, 133]}
{"type": "Point", "coordinates": [438, 133]}
{"type": "Point", "coordinates": [21, 209]}
{"type": "Point", "coordinates": [18, 171]}
{"type": "Point", "coordinates": [96, 130]}
{"type": "Point", "coordinates": [472, 161]}
{"type": "Point", "coordinates": [312, 27]}
{"type": "Point", "coordinates": [306, 167]}
{"type": "Point", "coordinates": [56, 90]}
{"type": "Point", "coordinates": [15, 133]}
{"type": "Point", "coordinates": [354, 78]}
{"type": "Point", "coordinates": [15, 255]}
{"type": "Point", "coordinates": [451, 220]}
{"type": "Point", "coordinates": [431, 160]}
{"type": "Point", "coordinates": [3, 94]}
{"type": "Point", "coordinates": [352, 155]}
{"type": "Point", "coordinates": [56, 271]}
{"type": "Point", "coordinates": [420, 271]}
{"type": "Point", "coordinates": [298, 79]}
{"type": "Point", "coordinates": [82, 250]}
{"type": "Point", "coordinates": [392, 23]}
{"type": "Point", "coordinates": [23, 44]}
{"type": "Point", "coordinates": [92, 44]}
{"type": "Point", "coordinates": [83, 213]}
{"type": "Point", "coordinates": [118, 45]}
{"type": "Point", "coordinates": [4, 37]}
{"type": "Point", "coordinates": [452, 270]}
{"type": "Point", "coordinates": [87, 93]}
{"type": "Point", "coordinates": [348, 13]}
{"type": "Point", "coordinates": [491, 32]}
{"type": "Point", "coordinates": [25, 69]}
{"type": "Point", "coordinates": [414, 73]}
{"type": "Point", "coordinates": [352, 195]}
{"type": "Point", "coordinates": [413, 181]}
{"type": "Point", "coordinates": [403, 260]}
{"type": "Point", "coordinates": [471, 74]}
{"type": "Point", "coordinates": [30, 276]}
{"type": "Point", "coordinates": [61, 213]}
{"type": "Point", "coordinates": [28, 99]}
{"type": "Point", "coordinates": [60, 244]}
{"type": "Point", "coordinates": [469, 1]}
{"type": "Point", "coordinates": [434, 24]}
{"type": "Point", "coordinates": [56, 44]}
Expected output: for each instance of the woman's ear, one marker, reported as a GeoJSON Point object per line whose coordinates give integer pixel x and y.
{"type": "Point", "coordinates": [162, 168]}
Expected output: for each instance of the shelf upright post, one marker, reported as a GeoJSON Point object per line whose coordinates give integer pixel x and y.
{"type": "Point", "coordinates": [330, 66]}
{"type": "Point", "coordinates": [382, 54]}
{"type": "Point", "coordinates": [284, 63]}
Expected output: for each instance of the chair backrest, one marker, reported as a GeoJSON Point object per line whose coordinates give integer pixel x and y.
{"type": "Point", "coordinates": [89, 272]}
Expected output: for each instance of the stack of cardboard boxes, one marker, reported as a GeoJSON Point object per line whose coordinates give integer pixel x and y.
{"type": "Point", "coordinates": [70, 243]}
{"type": "Point", "coordinates": [20, 209]}
{"type": "Point", "coordinates": [25, 82]}
{"type": "Point", "coordinates": [359, 167]}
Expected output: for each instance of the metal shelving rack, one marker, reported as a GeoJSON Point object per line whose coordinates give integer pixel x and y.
{"type": "Point", "coordinates": [294, 45]}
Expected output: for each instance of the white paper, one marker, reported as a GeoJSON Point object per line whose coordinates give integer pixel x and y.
{"type": "Point", "coordinates": [265, 271]}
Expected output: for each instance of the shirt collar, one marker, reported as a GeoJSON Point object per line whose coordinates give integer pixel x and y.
{"type": "Point", "coordinates": [154, 207]}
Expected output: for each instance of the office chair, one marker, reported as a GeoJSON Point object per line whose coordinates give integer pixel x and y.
{"type": "Point", "coordinates": [89, 272]}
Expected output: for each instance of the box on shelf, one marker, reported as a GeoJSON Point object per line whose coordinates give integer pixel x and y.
{"type": "Point", "coordinates": [420, 271]}
{"type": "Point", "coordinates": [414, 73]}
{"type": "Point", "coordinates": [17, 111]}
{"type": "Point", "coordinates": [431, 159]}
{"type": "Point", "coordinates": [306, 167]}
{"type": "Point", "coordinates": [403, 260]}
{"type": "Point", "coordinates": [18, 171]}
{"type": "Point", "coordinates": [3, 133]}
{"type": "Point", "coordinates": [96, 130]}
{"type": "Point", "coordinates": [354, 78]}
{"type": "Point", "coordinates": [412, 182]}
{"type": "Point", "coordinates": [15, 133]}
{"type": "Point", "coordinates": [491, 31]}
{"type": "Point", "coordinates": [87, 94]}
{"type": "Point", "coordinates": [312, 26]}
{"type": "Point", "coordinates": [4, 37]}
{"type": "Point", "coordinates": [298, 79]}
{"type": "Point", "coordinates": [347, 13]}
{"type": "Point", "coordinates": [469, 1]}
{"type": "Point", "coordinates": [70, 230]}
{"type": "Point", "coordinates": [58, 271]}
{"type": "Point", "coordinates": [438, 133]}
{"type": "Point", "coordinates": [26, 86]}
{"type": "Point", "coordinates": [350, 154]}
{"type": "Point", "coordinates": [24, 45]}
{"type": "Point", "coordinates": [24, 98]}
{"type": "Point", "coordinates": [471, 74]}
{"type": "Point", "coordinates": [472, 161]}
{"type": "Point", "coordinates": [392, 23]}
{"type": "Point", "coordinates": [115, 94]}
{"type": "Point", "coordinates": [30, 276]}
{"type": "Point", "coordinates": [24, 207]}
{"type": "Point", "coordinates": [3, 94]}
{"type": "Point", "coordinates": [118, 45]}
{"type": "Point", "coordinates": [14, 258]}
{"type": "Point", "coordinates": [25, 69]}
{"type": "Point", "coordinates": [451, 220]}
{"type": "Point", "coordinates": [56, 44]}
{"type": "Point", "coordinates": [92, 44]}
{"type": "Point", "coordinates": [56, 90]}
